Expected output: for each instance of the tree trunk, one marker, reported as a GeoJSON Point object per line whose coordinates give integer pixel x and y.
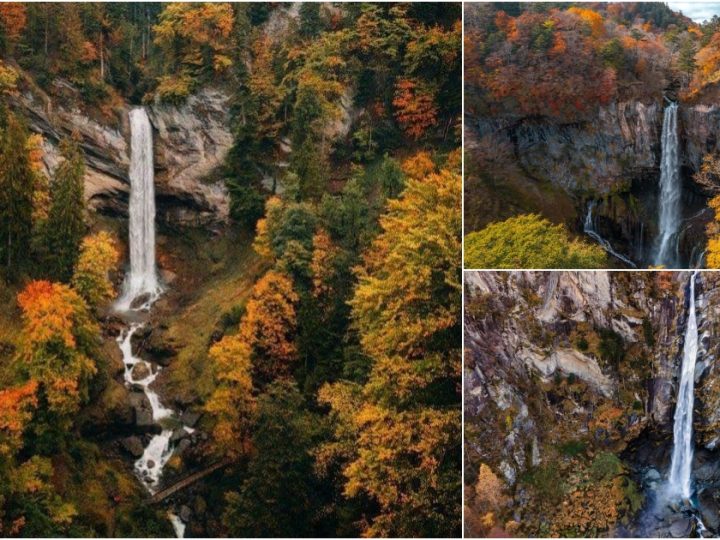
{"type": "Point", "coordinates": [102, 58]}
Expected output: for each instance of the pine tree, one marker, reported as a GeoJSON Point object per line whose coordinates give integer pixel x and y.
{"type": "Point", "coordinates": [16, 196]}
{"type": "Point", "coordinates": [65, 225]}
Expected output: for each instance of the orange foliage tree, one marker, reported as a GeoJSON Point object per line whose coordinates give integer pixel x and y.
{"type": "Point", "coordinates": [16, 408]}
{"type": "Point", "coordinates": [57, 337]}
{"type": "Point", "coordinates": [269, 325]}
{"type": "Point", "coordinates": [13, 19]}
{"type": "Point", "coordinates": [415, 108]}
{"type": "Point", "coordinates": [263, 347]}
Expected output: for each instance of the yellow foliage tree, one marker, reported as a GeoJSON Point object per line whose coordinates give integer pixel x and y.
{"type": "Point", "coordinates": [232, 403]}
{"type": "Point", "coordinates": [269, 325]}
{"type": "Point", "coordinates": [399, 448]}
{"type": "Point", "coordinates": [593, 19]}
{"type": "Point", "coordinates": [98, 256]}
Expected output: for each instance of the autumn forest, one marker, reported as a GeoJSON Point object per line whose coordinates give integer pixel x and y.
{"type": "Point", "coordinates": [230, 278]}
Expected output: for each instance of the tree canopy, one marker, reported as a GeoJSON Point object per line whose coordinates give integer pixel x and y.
{"type": "Point", "coordinates": [529, 241]}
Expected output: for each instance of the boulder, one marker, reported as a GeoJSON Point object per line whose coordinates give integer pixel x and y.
{"type": "Point", "coordinates": [143, 412]}
{"type": "Point", "coordinates": [132, 445]}
{"type": "Point", "coordinates": [681, 528]}
{"type": "Point", "coordinates": [110, 413]}
{"type": "Point", "coordinates": [159, 349]}
{"type": "Point", "coordinates": [190, 418]}
{"type": "Point", "coordinates": [112, 353]}
{"type": "Point", "coordinates": [182, 446]}
{"type": "Point", "coordinates": [140, 301]}
{"type": "Point", "coordinates": [185, 513]}
{"type": "Point", "coordinates": [140, 371]}
{"type": "Point", "coordinates": [178, 435]}
{"type": "Point", "coordinates": [709, 510]}
{"type": "Point", "coordinates": [167, 276]}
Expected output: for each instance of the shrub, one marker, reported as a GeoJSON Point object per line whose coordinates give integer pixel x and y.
{"type": "Point", "coordinates": [573, 448]}
{"type": "Point", "coordinates": [529, 241]}
{"type": "Point", "coordinates": [605, 466]}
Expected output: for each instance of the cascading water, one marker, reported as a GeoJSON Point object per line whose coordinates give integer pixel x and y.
{"type": "Point", "coordinates": [140, 290]}
{"type": "Point", "coordinates": [589, 228]}
{"type": "Point", "coordinates": [666, 248]}
{"type": "Point", "coordinates": [679, 482]}
{"type": "Point", "coordinates": [142, 279]}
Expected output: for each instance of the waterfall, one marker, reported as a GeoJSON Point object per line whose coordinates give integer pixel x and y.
{"type": "Point", "coordinates": [142, 279]}
{"type": "Point", "coordinates": [141, 284]}
{"type": "Point", "coordinates": [679, 482]}
{"type": "Point", "coordinates": [589, 228]}
{"type": "Point", "coordinates": [669, 191]}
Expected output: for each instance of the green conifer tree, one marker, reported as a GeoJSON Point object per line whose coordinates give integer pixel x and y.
{"type": "Point", "coordinates": [65, 226]}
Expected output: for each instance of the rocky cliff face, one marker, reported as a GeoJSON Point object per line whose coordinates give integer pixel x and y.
{"type": "Point", "coordinates": [700, 125]}
{"type": "Point", "coordinates": [191, 142]}
{"type": "Point", "coordinates": [623, 141]}
{"type": "Point", "coordinates": [583, 360]}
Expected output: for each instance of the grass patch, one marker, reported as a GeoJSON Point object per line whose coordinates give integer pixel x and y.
{"type": "Point", "coordinates": [220, 276]}
{"type": "Point", "coordinates": [547, 482]}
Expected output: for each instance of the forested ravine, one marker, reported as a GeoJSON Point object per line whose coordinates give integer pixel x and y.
{"type": "Point", "coordinates": [592, 404]}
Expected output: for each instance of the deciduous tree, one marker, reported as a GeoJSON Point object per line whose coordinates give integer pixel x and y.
{"type": "Point", "coordinates": [57, 338]}
{"type": "Point", "coordinates": [91, 279]}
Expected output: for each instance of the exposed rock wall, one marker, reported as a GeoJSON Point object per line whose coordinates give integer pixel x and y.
{"type": "Point", "coordinates": [538, 371]}
{"type": "Point", "coordinates": [621, 142]}
{"type": "Point", "coordinates": [700, 125]}
{"type": "Point", "coordinates": [191, 142]}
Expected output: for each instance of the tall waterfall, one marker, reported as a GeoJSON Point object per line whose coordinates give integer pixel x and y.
{"type": "Point", "coordinates": [589, 228]}
{"type": "Point", "coordinates": [142, 279]}
{"type": "Point", "coordinates": [679, 482]}
{"type": "Point", "coordinates": [669, 190]}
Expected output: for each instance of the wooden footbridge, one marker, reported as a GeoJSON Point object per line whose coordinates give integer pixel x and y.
{"type": "Point", "coordinates": [187, 481]}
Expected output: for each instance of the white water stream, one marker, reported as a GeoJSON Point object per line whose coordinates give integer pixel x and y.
{"type": "Point", "coordinates": [680, 482]}
{"type": "Point", "coordinates": [141, 289]}
{"type": "Point", "coordinates": [666, 248]}
{"type": "Point", "coordinates": [157, 453]}
{"type": "Point", "coordinates": [589, 228]}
